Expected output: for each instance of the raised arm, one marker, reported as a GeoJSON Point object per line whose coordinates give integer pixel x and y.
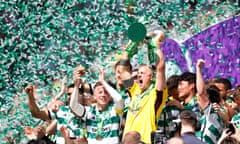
{"type": "Point", "coordinates": [125, 65]}
{"type": "Point", "coordinates": [52, 127]}
{"type": "Point", "coordinates": [117, 98]}
{"type": "Point", "coordinates": [63, 88]}
{"type": "Point", "coordinates": [76, 107]}
{"type": "Point", "coordinates": [34, 109]}
{"type": "Point", "coordinates": [160, 73]}
{"type": "Point", "coordinates": [201, 90]}
{"type": "Point", "coordinates": [66, 135]}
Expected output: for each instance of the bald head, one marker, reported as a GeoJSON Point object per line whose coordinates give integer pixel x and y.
{"type": "Point", "coordinates": [132, 137]}
{"type": "Point", "coordinates": [148, 69]}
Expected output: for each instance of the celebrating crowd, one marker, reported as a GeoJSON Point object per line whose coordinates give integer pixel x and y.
{"type": "Point", "coordinates": [142, 107]}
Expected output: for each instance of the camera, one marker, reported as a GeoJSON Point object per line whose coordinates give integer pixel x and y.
{"type": "Point", "coordinates": [158, 137]}
{"type": "Point", "coordinates": [174, 127]}
{"type": "Point", "coordinates": [161, 135]}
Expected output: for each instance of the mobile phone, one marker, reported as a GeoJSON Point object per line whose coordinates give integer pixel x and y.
{"type": "Point", "coordinates": [231, 128]}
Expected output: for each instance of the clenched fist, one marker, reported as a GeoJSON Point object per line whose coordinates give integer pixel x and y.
{"type": "Point", "coordinates": [29, 90]}
{"type": "Point", "coordinates": [78, 72]}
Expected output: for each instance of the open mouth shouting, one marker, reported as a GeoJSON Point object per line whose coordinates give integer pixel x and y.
{"type": "Point", "coordinates": [140, 82]}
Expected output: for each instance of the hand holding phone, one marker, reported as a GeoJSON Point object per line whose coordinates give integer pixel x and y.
{"type": "Point", "coordinates": [231, 128]}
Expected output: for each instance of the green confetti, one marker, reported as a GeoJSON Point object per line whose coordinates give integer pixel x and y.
{"type": "Point", "coordinates": [44, 40]}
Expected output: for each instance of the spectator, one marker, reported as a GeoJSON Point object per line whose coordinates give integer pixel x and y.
{"type": "Point", "coordinates": [170, 111]}
{"type": "Point", "coordinates": [188, 126]}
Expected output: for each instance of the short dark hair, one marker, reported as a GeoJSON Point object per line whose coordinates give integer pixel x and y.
{"type": "Point", "coordinates": [100, 84]}
{"type": "Point", "coordinates": [172, 82]}
{"type": "Point", "coordinates": [224, 81]}
{"type": "Point", "coordinates": [70, 86]}
{"type": "Point", "coordinates": [43, 140]}
{"type": "Point", "coordinates": [188, 114]}
{"type": "Point", "coordinates": [189, 117]}
{"type": "Point", "coordinates": [119, 63]}
{"type": "Point", "coordinates": [97, 84]}
{"type": "Point", "coordinates": [190, 78]}
{"type": "Point", "coordinates": [236, 91]}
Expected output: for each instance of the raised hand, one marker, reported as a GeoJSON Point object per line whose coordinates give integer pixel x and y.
{"type": "Point", "coordinates": [79, 71]}
{"type": "Point", "coordinates": [34, 133]}
{"type": "Point", "coordinates": [159, 37]}
{"type": "Point", "coordinates": [64, 132]}
{"type": "Point", "coordinates": [54, 105]}
{"type": "Point", "coordinates": [101, 75]}
{"type": "Point", "coordinates": [63, 84]}
{"type": "Point", "coordinates": [29, 90]}
{"type": "Point", "coordinates": [66, 135]}
{"type": "Point", "coordinates": [216, 107]}
{"type": "Point", "coordinates": [63, 88]}
{"type": "Point", "coordinates": [200, 63]}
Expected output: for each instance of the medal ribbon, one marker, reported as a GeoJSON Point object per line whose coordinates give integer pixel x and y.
{"type": "Point", "coordinates": [100, 118]}
{"type": "Point", "coordinates": [99, 122]}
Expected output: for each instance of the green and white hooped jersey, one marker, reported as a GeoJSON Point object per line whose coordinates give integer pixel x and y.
{"type": "Point", "coordinates": [212, 126]}
{"type": "Point", "coordinates": [193, 106]}
{"type": "Point", "coordinates": [109, 129]}
{"type": "Point", "coordinates": [66, 118]}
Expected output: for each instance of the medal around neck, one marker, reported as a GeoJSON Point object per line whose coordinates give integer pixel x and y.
{"type": "Point", "coordinates": [137, 32]}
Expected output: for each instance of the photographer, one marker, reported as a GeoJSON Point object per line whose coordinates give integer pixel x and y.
{"type": "Point", "coordinates": [171, 110]}
{"type": "Point", "coordinates": [189, 125]}
{"type": "Point", "coordinates": [211, 121]}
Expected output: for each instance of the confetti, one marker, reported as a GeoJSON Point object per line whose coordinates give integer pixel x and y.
{"type": "Point", "coordinates": [42, 41]}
